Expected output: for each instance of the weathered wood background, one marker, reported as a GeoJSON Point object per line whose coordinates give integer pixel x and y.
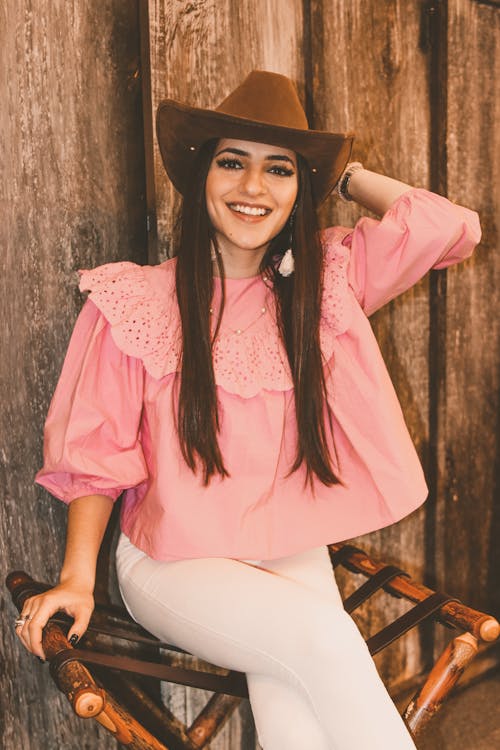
{"type": "Point", "coordinates": [73, 195]}
{"type": "Point", "coordinates": [415, 80]}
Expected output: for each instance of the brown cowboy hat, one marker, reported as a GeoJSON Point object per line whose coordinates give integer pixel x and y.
{"type": "Point", "coordinates": [265, 108]}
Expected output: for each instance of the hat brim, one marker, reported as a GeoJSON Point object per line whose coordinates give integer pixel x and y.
{"type": "Point", "coordinates": [181, 130]}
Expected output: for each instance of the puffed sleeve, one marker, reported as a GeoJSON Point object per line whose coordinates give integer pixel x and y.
{"type": "Point", "coordinates": [420, 231]}
{"type": "Point", "coordinates": [91, 436]}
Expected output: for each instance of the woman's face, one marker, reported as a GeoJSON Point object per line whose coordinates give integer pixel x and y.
{"type": "Point", "coordinates": [250, 192]}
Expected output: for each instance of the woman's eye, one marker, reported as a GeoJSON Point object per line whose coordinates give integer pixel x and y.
{"type": "Point", "coordinates": [229, 164]}
{"type": "Point", "coordinates": [282, 171]}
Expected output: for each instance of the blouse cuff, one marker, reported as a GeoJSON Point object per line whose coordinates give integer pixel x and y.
{"type": "Point", "coordinates": [67, 489]}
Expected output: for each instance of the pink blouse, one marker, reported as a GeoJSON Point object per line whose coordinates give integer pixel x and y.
{"type": "Point", "coordinates": [110, 427]}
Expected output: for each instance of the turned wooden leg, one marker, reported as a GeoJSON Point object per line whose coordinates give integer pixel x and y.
{"type": "Point", "coordinates": [442, 678]}
{"type": "Point", "coordinates": [212, 718]}
{"type": "Point", "coordinates": [126, 730]}
{"type": "Point", "coordinates": [91, 701]}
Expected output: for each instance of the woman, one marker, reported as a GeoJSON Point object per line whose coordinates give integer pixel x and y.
{"type": "Point", "coordinates": [238, 396]}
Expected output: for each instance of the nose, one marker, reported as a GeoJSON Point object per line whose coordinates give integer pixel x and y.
{"type": "Point", "coordinates": [252, 182]}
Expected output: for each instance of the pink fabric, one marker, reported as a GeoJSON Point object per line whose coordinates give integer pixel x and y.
{"type": "Point", "coordinates": [110, 425]}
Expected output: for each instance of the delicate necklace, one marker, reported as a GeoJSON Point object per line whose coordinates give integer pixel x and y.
{"type": "Point", "coordinates": [239, 331]}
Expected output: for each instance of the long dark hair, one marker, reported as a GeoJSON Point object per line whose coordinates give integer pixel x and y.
{"type": "Point", "coordinates": [298, 299]}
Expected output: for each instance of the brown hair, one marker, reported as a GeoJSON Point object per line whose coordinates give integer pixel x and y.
{"type": "Point", "coordinates": [298, 299]}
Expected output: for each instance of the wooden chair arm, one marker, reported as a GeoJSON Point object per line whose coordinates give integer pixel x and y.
{"type": "Point", "coordinates": [484, 627]}
{"type": "Point", "coordinates": [74, 680]}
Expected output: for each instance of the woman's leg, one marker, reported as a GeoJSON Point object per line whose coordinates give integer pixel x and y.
{"type": "Point", "coordinates": [260, 621]}
{"type": "Point", "coordinates": [284, 717]}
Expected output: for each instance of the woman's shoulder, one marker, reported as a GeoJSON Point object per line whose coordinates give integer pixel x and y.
{"type": "Point", "coordinates": [335, 241]}
{"type": "Point", "coordinates": [336, 307]}
{"type": "Point", "coordinates": [117, 288]}
{"type": "Point", "coordinates": [126, 276]}
{"type": "Point", "coordinates": [139, 303]}
{"type": "Point", "coordinates": [332, 239]}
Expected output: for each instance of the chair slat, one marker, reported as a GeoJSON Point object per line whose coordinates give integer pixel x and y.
{"type": "Point", "coordinates": [378, 581]}
{"type": "Point", "coordinates": [483, 626]}
{"type": "Point", "coordinates": [233, 683]}
{"type": "Point", "coordinates": [406, 622]}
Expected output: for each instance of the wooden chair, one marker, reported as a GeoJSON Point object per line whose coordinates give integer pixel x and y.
{"type": "Point", "coordinates": [103, 677]}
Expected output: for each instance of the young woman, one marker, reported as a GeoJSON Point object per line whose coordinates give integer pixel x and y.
{"type": "Point", "coordinates": [236, 394]}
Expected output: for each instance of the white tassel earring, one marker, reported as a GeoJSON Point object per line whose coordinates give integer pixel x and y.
{"type": "Point", "coordinates": [287, 263]}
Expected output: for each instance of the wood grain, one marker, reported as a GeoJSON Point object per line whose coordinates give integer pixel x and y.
{"type": "Point", "coordinates": [71, 197]}
{"type": "Point", "coordinates": [467, 515]}
{"type": "Point", "coordinates": [370, 74]}
{"type": "Point", "coordinates": [200, 51]}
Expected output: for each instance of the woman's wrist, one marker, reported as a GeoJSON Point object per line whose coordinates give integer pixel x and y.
{"type": "Point", "coordinates": [78, 579]}
{"type": "Point", "coordinates": [345, 178]}
{"type": "Point", "coordinates": [373, 191]}
{"type": "Point", "coordinates": [78, 570]}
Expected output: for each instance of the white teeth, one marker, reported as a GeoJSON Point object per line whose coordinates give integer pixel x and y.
{"type": "Point", "coordinates": [248, 210]}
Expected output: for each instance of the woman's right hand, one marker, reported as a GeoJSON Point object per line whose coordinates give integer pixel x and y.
{"type": "Point", "coordinates": [70, 597]}
{"type": "Point", "coordinates": [87, 519]}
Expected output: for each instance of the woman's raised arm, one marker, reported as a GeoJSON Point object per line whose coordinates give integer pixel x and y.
{"type": "Point", "coordinates": [374, 191]}
{"type": "Point", "coordinates": [418, 230]}
{"type": "Point", "coordinates": [87, 521]}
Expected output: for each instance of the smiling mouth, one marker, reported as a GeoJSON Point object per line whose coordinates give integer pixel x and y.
{"type": "Point", "coordinates": [254, 211]}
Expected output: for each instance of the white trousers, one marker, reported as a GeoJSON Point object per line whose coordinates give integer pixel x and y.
{"type": "Point", "coordinates": [311, 680]}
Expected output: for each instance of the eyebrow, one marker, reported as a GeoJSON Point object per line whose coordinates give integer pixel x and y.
{"type": "Point", "coordinates": [271, 157]}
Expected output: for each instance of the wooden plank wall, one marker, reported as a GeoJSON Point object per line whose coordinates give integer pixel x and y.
{"type": "Point", "coordinates": [382, 69]}
{"type": "Point", "coordinates": [358, 49]}
{"type": "Point", "coordinates": [467, 511]}
{"type": "Point", "coordinates": [415, 80]}
{"type": "Point", "coordinates": [215, 45]}
{"type": "Point", "coordinates": [72, 193]}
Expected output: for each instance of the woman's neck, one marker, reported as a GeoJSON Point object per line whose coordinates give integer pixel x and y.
{"type": "Point", "coordinates": [239, 263]}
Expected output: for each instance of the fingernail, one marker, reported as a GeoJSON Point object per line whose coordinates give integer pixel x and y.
{"type": "Point", "coordinates": [74, 639]}
{"type": "Point", "coordinates": [40, 659]}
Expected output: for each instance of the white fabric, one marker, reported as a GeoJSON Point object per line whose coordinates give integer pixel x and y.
{"type": "Point", "coordinates": [312, 682]}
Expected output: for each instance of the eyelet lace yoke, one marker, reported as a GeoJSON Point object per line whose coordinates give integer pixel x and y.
{"type": "Point", "coordinates": [140, 304]}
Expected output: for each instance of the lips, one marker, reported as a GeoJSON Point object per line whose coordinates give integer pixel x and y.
{"type": "Point", "coordinates": [248, 211]}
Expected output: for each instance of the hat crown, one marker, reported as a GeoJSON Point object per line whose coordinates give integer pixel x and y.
{"type": "Point", "coordinates": [266, 97]}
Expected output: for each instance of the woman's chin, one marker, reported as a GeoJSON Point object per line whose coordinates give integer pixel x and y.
{"type": "Point", "coordinates": [250, 246]}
